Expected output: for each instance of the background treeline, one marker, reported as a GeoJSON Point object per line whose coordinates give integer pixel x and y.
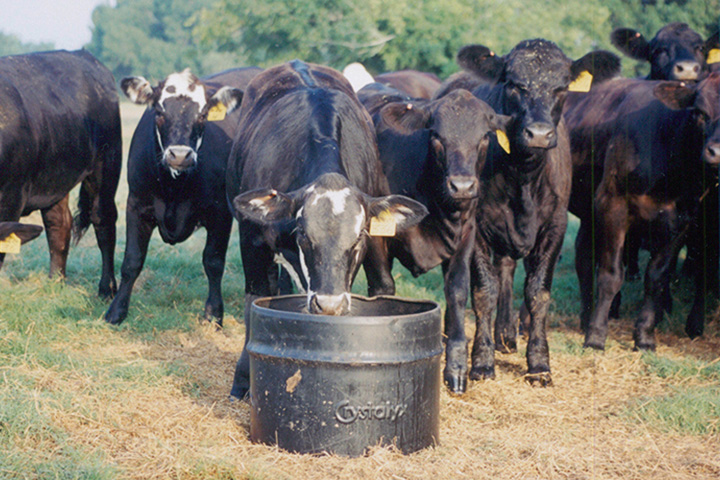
{"type": "Point", "coordinates": [154, 37]}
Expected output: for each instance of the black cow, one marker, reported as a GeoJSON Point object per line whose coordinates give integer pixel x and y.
{"type": "Point", "coordinates": [176, 173]}
{"type": "Point", "coordinates": [648, 157]}
{"type": "Point", "coordinates": [524, 191]}
{"type": "Point", "coordinates": [61, 127]}
{"type": "Point", "coordinates": [305, 181]}
{"type": "Point", "coordinates": [434, 152]}
{"type": "Point", "coordinates": [414, 83]}
{"type": "Point", "coordinates": [677, 52]}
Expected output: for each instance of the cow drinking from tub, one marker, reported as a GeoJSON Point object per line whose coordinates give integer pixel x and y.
{"type": "Point", "coordinates": [176, 173]}
{"type": "Point", "coordinates": [305, 181]}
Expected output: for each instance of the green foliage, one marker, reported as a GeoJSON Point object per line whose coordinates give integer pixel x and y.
{"type": "Point", "coordinates": [12, 45]}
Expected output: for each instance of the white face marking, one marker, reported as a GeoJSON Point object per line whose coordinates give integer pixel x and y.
{"type": "Point", "coordinates": [337, 199]}
{"type": "Point", "coordinates": [305, 271]}
{"type": "Point", "coordinates": [181, 83]}
{"type": "Point", "coordinates": [359, 221]}
{"type": "Point", "coordinates": [299, 213]}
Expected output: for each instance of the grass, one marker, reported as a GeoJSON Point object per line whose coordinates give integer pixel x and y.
{"type": "Point", "coordinates": [80, 399]}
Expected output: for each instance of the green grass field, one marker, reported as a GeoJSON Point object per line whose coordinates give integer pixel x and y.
{"type": "Point", "coordinates": [80, 399]}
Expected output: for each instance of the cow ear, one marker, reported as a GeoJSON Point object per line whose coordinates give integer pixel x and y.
{"type": "Point", "coordinates": [631, 43]}
{"type": "Point", "coordinates": [675, 95]}
{"type": "Point", "coordinates": [712, 48]}
{"type": "Point", "coordinates": [405, 117]}
{"type": "Point", "coordinates": [24, 231]}
{"type": "Point", "coordinates": [137, 89]}
{"type": "Point", "coordinates": [601, 64]}
{"type": "Point", "coordinates": [394, 213]}
{"type": "Point", "coordinates": [481, 61]}
{"type": "Point", "coordinates": [264, 206]}
{"type": "Point", "coordinates": [223, 102]}
{"type": "Point", "coordinates": [499, 122]}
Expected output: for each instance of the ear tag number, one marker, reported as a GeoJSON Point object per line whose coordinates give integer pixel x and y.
{"type": "Point", "coordinates": [11, 244]}
{"type": "Point", "coordinates": [503, 140]}
{"type": "Point", "coordinates": [383, 225]}
{"type": "Point", "coordinates": [217, 113]}
{"type": "Point", "coordinates": [582, 83]}
{"type": "Point", "coordinates": [713, 56]}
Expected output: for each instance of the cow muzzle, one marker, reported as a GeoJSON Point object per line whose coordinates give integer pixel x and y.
{"type": "Point", "coordinates": [540, 135]}
{"type": "Point", "coordinates": [462, 187]}
{"type": "Point", "coordinates": [685, 70]}
{"type": "Point", "coordinates": [329, 304]}
{"type": "Point", "coordinates": [179, 158]}
{"type": "Point", "coordinates": [711, 155]}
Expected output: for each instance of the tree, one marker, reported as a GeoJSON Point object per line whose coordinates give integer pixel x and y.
{"type": "Point", "coordinates": [12, 45]}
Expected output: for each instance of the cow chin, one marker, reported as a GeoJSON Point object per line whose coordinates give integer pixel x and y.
{"type": "Point", "coordinates": [335, 305]}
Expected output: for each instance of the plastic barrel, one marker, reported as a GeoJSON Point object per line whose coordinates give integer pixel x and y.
{"type": "Point", "coordinates": [321, 383]}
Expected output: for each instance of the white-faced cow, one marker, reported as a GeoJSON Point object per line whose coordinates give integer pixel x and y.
{"type": "Point", "coordinates": [305, 181]}
{"type": "Point", "coordinates": [523, 196]}
{"type": "Point", "coordinates": [647, 140]}
{"type": "Point", "coordinates": [434, 151]}
{"type": "Point", "coordinates": [61, 127]}
{"type": "Point", "coordinates": [176, 173]}
{"type": "Point", "coordinates": [677, 52]}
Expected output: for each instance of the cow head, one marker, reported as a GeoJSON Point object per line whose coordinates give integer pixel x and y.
{"type": "Point", "coordinates": [677, 52]}
{"type": "Point", "coordinates": [457, 126]}
{"type": "Point", "coordinates": [181, 103]}
{"type": "Point", "coordinates": [330, 220]}
{"type": "Point", "coordinates": [23, 231]}
{"type": "Point", "coordinates": [530, 84]}
{"type": "Point", "coordinates": [704, 99]}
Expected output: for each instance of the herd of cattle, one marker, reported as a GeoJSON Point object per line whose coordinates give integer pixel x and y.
{"type": "Point", "coordinates": [472, 174]}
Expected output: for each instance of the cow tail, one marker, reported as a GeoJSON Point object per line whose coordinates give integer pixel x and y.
{"type": "Point", "coordinates": [81, 220]}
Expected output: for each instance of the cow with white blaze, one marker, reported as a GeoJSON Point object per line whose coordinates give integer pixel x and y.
{"type": "Point", "coordinates": [176, 173]}
{"type": "Point", "coordinates": [305, 181]}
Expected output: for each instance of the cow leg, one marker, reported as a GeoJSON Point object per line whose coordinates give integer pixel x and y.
{"type": "Point", "coordinates": [139, 231]}
{"type": "Point", "coordinates": [505, 321]}
{"type": "Point", "coordinates": [58, 226]}
{"type": "Point", "coordinates": [485, 286]}
{"type": "Point", "coordinates": [218, 226]}
{"type": "Point", "coordinates": [456, 273]}
{"type": "Point", "coordinates": [657, 279]}
{"type": "Point", "coordinates": [584, 263]}
{"type": "Point", "coordinates": [378, 268]}
{"type": "Point", "coordinates": [540, 267]}
{"type": "Point", "coordinates": [612, 226]}
{"type": "Point", "coordinates": [241, 379]}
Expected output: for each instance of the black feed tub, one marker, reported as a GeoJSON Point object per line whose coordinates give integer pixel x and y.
{"type": "Point", "coordinates": [321, 383]}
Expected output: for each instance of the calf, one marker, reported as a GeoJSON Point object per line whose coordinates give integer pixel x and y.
{"type": "Point", "coordinates": [434, 152]}
{"type": "Point", "coordinates": [176, 173]}
{"type": "Point", "coordinates": [305, 181]}
{"type": "Point", "coordinates": [677, 52]}
{"type": "Point", "coordinates": [523, 196]}
{"type": "Point", "coordinates": [61, 127]}
{"type": "Point", "coordinates": [649, 160]}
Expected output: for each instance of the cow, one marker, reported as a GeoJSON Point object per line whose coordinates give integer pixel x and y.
{"type": "Point", "coordinates": [306, 184]}
{"type": "Point", "coordinates": [176, 173]}
{"type": "Point", "coordinates": [648, 154]}
{"type": "Point", "coordinates": [677, 52]}
{"type": "Point", "coordinates": [61, 127]}
{"type": "Point", "coordinates": [434, 152]}
{"type": "Point", "coordinates": [414, 83]}
{"type": "Point", "coordinates": [524, 191]}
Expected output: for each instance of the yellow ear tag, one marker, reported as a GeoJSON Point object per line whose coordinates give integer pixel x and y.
{"type": "Point", "coordinates": [503, 141]}
{"type": "Point", "coordinates": [11, 244]}
{"type": "Point", "coordinates": [217, 113]}
{"type": "Point", "coordinates": [713, 56]}
{"type": "Point", "coordinates": [383, 225]}
{"type": "Point", "coordinates": [581, 83]}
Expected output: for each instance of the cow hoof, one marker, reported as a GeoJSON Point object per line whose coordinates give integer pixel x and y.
{"type": "Point", "coordinates": [114, 319]}
{"type": "Point", "coordinates": [215, 322]}
{"type": "Point", "coordinates": [107, 293]}
{"type": "Point", "coordinates": [457, 383]}
{"type": "Point", "coordinates": [644, 347]}
{"type": "Point", "coordinates": [541, 379]}
{"type": "Point", "coordinates": [482, 373]}
{"type": "Point", "coordinates": [507, 346]}
{"type": "Point", "coordinates": [693, 331]}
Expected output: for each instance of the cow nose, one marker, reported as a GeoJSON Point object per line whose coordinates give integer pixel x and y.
{"type": "Point", "coordinates": [329, 304]}
{"type": "Point", "coordinates": [462, 186]}
{"type": "Point", "coordinates": [686, 70]}
{"type": "Point", "coordinates": [540, 135]}
{"type": "Point", "coordinates": [712, 153]}
{"type": "Point", "coordinates": [180, 157]}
